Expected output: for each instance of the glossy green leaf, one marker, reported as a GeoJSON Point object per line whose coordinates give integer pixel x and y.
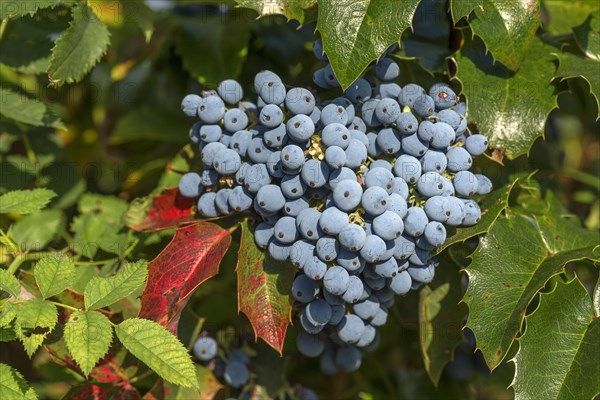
{"type": "Point", "coordinates": [509, 108]}
{"type": "Point", "coordinates": [79, 48]}
{"type": "Point", "coordinates": [512, 263]}
{"type": "Point", "coordinates": [35, 319]}
{"type": "Point", "coordinates": [292, 9]}
{"type": "Point", "coordinates": [25, 201]}
{"type": "Point", "coordinates": [9, 283]}
{"type": "Point", "coordinates": [572, 66]}
{"type": "Point", "coordinates": [557, 357]}
{"type": "Point", "coordinates": [355, 33]}
{"type": "Point", "coordinates": [137, 11]}
{"type": "Point", "coordinates": [102, 292]}
{"type": "Point", "coordinates": [54, 273]}
{"type": "Point", "coordinates": [159, 349]}
{"type": "Point", "coordinates": [13, 385]}
{"type": "Point", "coordinates": [35, 231]}
{"type": "Point", "coordinates": [22, 108]}
{"type": "Point", "coordinates": [88, 335]}
{"type": "Point", "coordinates": [588, 36]}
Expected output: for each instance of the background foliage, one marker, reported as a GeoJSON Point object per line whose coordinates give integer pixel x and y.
{"type": "Point", "coordinates": [90, 124]}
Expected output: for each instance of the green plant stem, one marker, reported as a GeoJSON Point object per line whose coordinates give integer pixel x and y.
{"type": "Point", "coordinates": [141, 376]}
{"type": "Point", "coordinates": [63, 306]}
{"type": "Point", "coordinates": [3, 26]}
{"type": "Point", "coordinates": [195, 332]}
{"type": "Point", "coordinates": [21, 258]}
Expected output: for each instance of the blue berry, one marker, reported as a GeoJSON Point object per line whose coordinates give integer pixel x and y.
{"type": "Point", "coordinates": [387, 110]}
{"type": "Point", "coordinates": [304, 289]}
{"type": "Point", "coordinates": [273, 92]}
{"type": "Point", "coordinates": [352, 237]}
{"type": "Point", "coordinates": [240, 199]}
{"type": "Point", "coordinates": [450, 117]}
{"type": "Point", "coordinates": [309, 345]}
{"type": "Point", "coordinates": [387, 69]}
{"type": "Point", "coordinates": [190, 103]}
{"type": "Point", "coordinates": [374, 249]}
{"type": "Point", "coordinates": [401, 283]}
{"type": "Point", "coordinates": [389, 140]}
{"type": "Point", "coordinates": [300, 101]}
{"type": "Point", "coordinates": [443, 135]}
{"type": "Point", "coordinates": [327, 248]}
{"type": "Point", "coordinates": [285, 230]}
{"type": "Point", "coordinates": [333, 221]}
{"type": "Point", "coordinates": [430, 184]}
{"type": "Point", "coordinates": [436, 208]}
{"type": "Point", "coordinates": [354, 291]}
{"type": "Point", "coordinates": [206, 205]}
{"type": "Point", "coordinates": [472, 212]}
{"type": "Point", "coordinates": [415, 221]}
{"type": "Point", "coordinates": [318, 50]}
{"type": "Point", "coordinates": [227, 162]}
{"type": "Point", "coordinates": [397, 205]}
{"type": "Point", "coordinates": [410, 93]}
{"type": "Point", "coordinates": [300, 128]}
{"type": "Point", "coordinates": [314, 268]}
{"type": "Point", "coordinates": [388, 90]}
{"type": "Point", "coordinates": [426, 131]}
{"type": "Point", "coordinates": [356, 154]}
{"type": "Point", "coordinates": [359, 91]}
{"type": "Point", "coordinates": [476, 144]}
{"type": "Point", "coordinates": [484, 185]}
{"type": "Point", "coordinates": [424, 106]}
{"type": "Point", "coordinates": [333, 113]}
{"type": "Point", "coordinates": [435, 233]}
{"type": "Point", "coordinates": [443, 96]}
{"type": "Point", "coordinates": [236, 374]}
{"type": "Point", "coordinates": [350, 328]}
{"type": "Point", "coordinates": [335, 134]}
{"type": "Point", "coordinates": [407, 123]}
{"type": "Point", "coordinates": [459, 159]}
{"type": "Point", "coordinates": [335, 157]}
{"type": "Point", "coordinates": [465, 183]}
{"type": "Point", "coordinates": [205, 348]}
{"type": "Point", "coordinates": [414, 146]}
{"type": "Point", "coordinates": [374, 200]}
{"type": "Point", "coordinates": [408, 168]}
{"type": "Point", "coordinates": [211, 109]}
{"type": "Point", "coordinates": [315, 173]}
{"type": "Point", "coordinates": [336, 280]}
{"type": "Point", "coordinates": [347, 195]}
{"type": "Point", "coordinates": [368, 112]}
{"type": "Point", "coordinates": [190, 185]}
{"type": "Point", "coordinates": [434, 161]}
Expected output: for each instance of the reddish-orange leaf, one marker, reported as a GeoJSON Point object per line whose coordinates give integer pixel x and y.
{"type": "Point", "coordinates": [264, 291]}
{"type": "Point", "coordinates": [166, 210]}
{"type": "Point", "coordinates": [192, 257]}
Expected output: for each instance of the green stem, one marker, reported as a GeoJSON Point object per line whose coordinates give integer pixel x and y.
{"type": "Point", "coordinates": [195, 333]}
{"type": "Point", "coordinates": [63, 305]}
{"type": "Point", "coordinates": [21, 258]}
{"type": "Point", "coordinates": [29, 149]}
{"type": "Point", "coordinates": [3, 26]}
{"type": "Point", "coordinates": [141, 376]}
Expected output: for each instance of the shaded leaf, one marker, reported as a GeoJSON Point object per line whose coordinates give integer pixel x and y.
{"type": "Point", "coordinates": [13, 385]}
{"type": "Point", "coordinates": [355, 33]}
{"type": "Point", "coordinates": [9, 283]}
{"type": "Point", "coordinates": [557, 353]}
{"type": "Point", "coordinates": [588, 36]}
{"type": "Point", "coordinates": [27, 47]}
{"type": "Point", "coordinates": [102, 292]}
{"type": "Point", "coordinates": [223, 42]}
{"type": "Point", "coordinates": [79, 48]}
{"type": "Point", "coordinates": [35, 231]}
{"type": "Point", "coordinates": [292, 9]}
{"type": "Point", "coordinates": [7, 334]}
{"type": "Point", "coordinates": [22, 108]}
{"type": "Point", "coordinates": [147, 123]}
{"type": "Point", "coordinates": [208, 385]}
{"type": "Point", "coordinates": [88, 335]}
{"type": "Point", "coordinates": [511, 264]}
{"type": "Point", "coordinates": [572, 66]}
{"type": "Point", "coordinates": [562, 16]}
{"type": "Point", "coordinates": [156, 212]}
{"type": "Point", "coordinates": [264, 287]}
{"type": "Point", "coordinates": [25, 201]}
{"type": "Point", "coordinates": [138, 12]}
{"type": "Point", "coordinates": [35, 319]}
{"type": "Point", "coordinates": [509, 108]}
{"type": "Point", "coordinates": [492, 206]}
{"type": "Point", "coordinates": [498, 22]}
{"type": "Point", "coordinates": [159, 349]}
{"type": "Point", "coordinates": [192, 257]}
{"type": "Point", "coordinates": [9, 9]}
{"type": "Point", "coordinates": [54, 273]}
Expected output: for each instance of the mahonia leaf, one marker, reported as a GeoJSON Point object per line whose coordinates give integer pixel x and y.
{"type": "Point", "coordinates": [572, 66]}
{"type": "Point", "coordinates": [561, 16]}
{"type": "Point", "coordinates": [588, 36]}
{"type": "Point", "coordinates": [557, 357]}
{"type": "Point", "coordinates": [25, 201]}
{"type": "Point", "coordinates": [159, 349]}
{"type": "Point", "coordinates": [292, 9]}
{"type": "Point", "coordinates": [355, 33]}
{"type": "Point", "coordinates": [88, 335]}
{"type": "Point", "coordinates": [102, 292]}
{"type": "Point", "coordinates": [79, 48]}
{"type": "Point", "coordinates": [54, 273]}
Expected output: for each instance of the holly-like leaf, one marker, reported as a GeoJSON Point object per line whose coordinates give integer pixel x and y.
{"type": "Point", "coordinates": [557, 357]}
{"type": "Point", "coordinates": [102, 292]}
{"type": "Point", "coordinates": [500, 22]}
{"type": "Point", "coordinates": [16, 9]}
{"type": "Point", "coordinates": [13, 385]}
{"type": "Point", "coordinates": [192, 257]}
{"type": "Point", "coordinates": [492, 206]}
{"type": "Point", "coordinates": [35, 319]}
{"type": "Point", "coordinates": [292, 9]}
{"type": "Point", "coordinates": [355, 33]}
{"type": "Point", "coordinates": [9, 283]}
{"type": "Point", "coordinates": [509, 108]}
{"type": "Point", "coordinates": [208, 385]}
{"type": "Point", "coordinates": [561, 16]}
{"type": "Point", "coordinates": [138, 12]}
{"type": "Point", "coordinates": [159, 349]}
{"type": "Point", "coordinates": [264, 287]}
{"type": "Point", "coordinates": [54, 273]}
{"type": "Point", "coordinates": [441, 318]}
{"type": "Point", "coordinates": [79, 48]}
{"type": "Point", "coordinates": [25, 201]}
{"type": "Point", "coordinates": [572, 66]}
{"type": "Point", "coordinates": [35, 231]}
{"type": "Point", "coordinates": [512, 263]}
{"type": "Point", "coordinates": [223, 42]}
{"type": "Point", "coordinates": [162, 211]}
{"type": "Point", "coordinates": [88, 335]}
{"type": "Point", "coordinates": [588, 36]}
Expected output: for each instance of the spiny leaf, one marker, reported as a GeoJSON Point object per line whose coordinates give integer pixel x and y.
{"type": "Point", "coordinates": [557, 357]}
{"type": "Point", "coordinates": [158, 349]}
{"type": "Point", "coordinates": [492, 206]}
{"type": "Point", "coordinates": [156, 212]}
{"type": "Point", "coordinates": [25, 201]}
{"type": "Point", "coordinates": [562, 16]}
{"type": "Point", "coordinates": [509, 108]}
{"type": "Point", "coordinates": [588, 36]}
{"type": "Point", "coordinates": [102, 292]}
{"type": "Point", "coordinates": [355, 33]}
{"type": "Point", "coordinates": [9, 283]}
{"type": "Point", "coordinates": [572, 66]}
{"type": "Point", "coordinates": [54, 273]}
{"type": "Point", "coordinates": [292, 9]}
{"type": "Point", "coordinates": [24, 109]}
{"type": "Point", "coordinates": [264, 287]}
{"type": "Point", "coordinates": [79, 48]}
{"type": "Point", "coordinates": [512, 263]}
{"type": "Point", "coordinates": [192, 257]}
{"type": "Point", "coordinates": [88, 335]}
{"type": "Point", "coordinates": [498, 22]}
{"type": "Point", "coordinates": [13, 385]}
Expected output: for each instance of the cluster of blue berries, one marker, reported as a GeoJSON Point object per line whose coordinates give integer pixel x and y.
{"type": "Point", "coordinates": [355, 191]}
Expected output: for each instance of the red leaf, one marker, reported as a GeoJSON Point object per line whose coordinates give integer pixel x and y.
{"type": "Point", "coordinates": [166, 210]}
{"type": "Point", "coordinates": [192, 257]}
{"type": "Point", "coordinates": [264, 291]}
{"type": "Point", "coordinates": [87, 392]}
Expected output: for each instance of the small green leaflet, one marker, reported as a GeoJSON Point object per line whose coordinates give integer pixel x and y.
{"type": "Point", "coordinates": [22, 108]}
{"type": "Point", "coordinates": [557, 357]}
{"type": "Point", "coordinates": [9, 283]}
{"type": "Point", "coordinates": [159, 349]}
{"type": "Point", "coordinates": [79, 48]}
{"type": "Point", "coordinates": [102, 292]}
{"type": "Point", "coordinates": [35, 231]}
{"type": "Point", "coordinates": [54, 273]}
{"type": "Point", "coordinates": [13, 385]}
{"type": "Point", "coordinates": [88, 335]}
{"type": "Point", "coordinates": [35, 319]}
{"type": "Point", "coordinates": [25, 201]}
